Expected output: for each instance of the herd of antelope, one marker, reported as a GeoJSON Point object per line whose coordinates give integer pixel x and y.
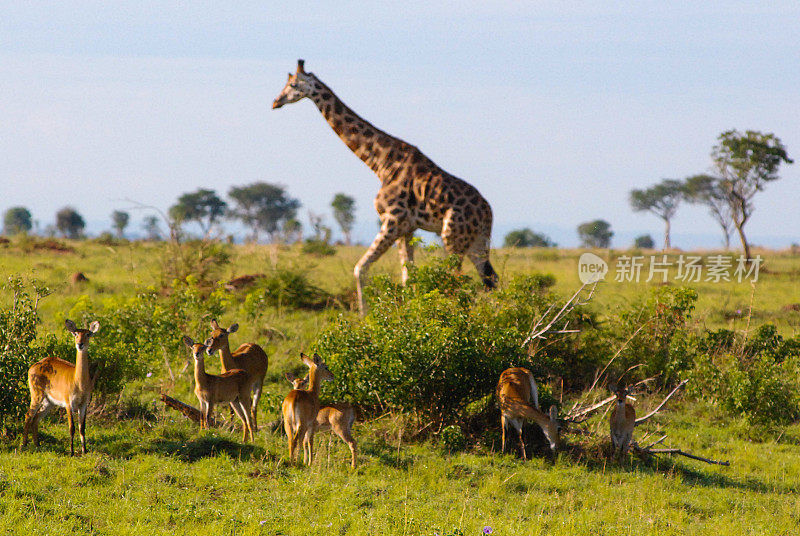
{"type": "Point", "coordinates": [56, 382]}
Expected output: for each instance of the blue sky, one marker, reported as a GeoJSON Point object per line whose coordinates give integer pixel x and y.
{"type": "Point", "coordinates": [555, 112]}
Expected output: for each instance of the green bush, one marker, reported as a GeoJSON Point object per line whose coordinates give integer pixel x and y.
{"type": "Point", "coordinates": [756, 378]}
{"type": "Point", "coordinates": [284, 287]}
{"type": "Point", "coordinates": [17, 350]}
{"type": "Point", "coordinates": [435, 345]}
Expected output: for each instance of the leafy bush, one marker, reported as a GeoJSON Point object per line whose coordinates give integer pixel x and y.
{"type": "Point", "coordinates": [17, 351]}
{"type": "Point", "coordinates": [284, 287]}
{"type": "Point", "coordinates": [201, 259]}
{"type": "Point", "coordinates": [143, 331]}
{"type": "Point", "coordinates": [318, 247]}
{"type": "Point", "coordinates": [433, 346]}
{"type": "Point", "coordinates": [756, 378]}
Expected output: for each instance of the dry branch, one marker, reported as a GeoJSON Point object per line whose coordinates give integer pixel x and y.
{"type": "Point", "coordinates": [651, 452]}
{"type": "Point", "coordinates": [545, 323]}
{"type": "Point", "coordinates": [640, 420]}
{"type": "Point", "coordinates": [578, 415]}
{"type": "Point", "coordinates": [190, 412]}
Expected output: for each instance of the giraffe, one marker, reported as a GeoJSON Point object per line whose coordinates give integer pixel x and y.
{"type": "Point", "coordinates": [415, 193]}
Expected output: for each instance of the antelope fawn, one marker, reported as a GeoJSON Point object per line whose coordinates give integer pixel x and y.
{"type": "Point", "coordinates": [231, 387]}
{"type": "Point", "coordinates": [337, 417]}
{"type": "Point", "coordinates": [516, 388]}
{"type": "Point", "coordinates": [249, 357]}
{"type": "Point", "coordinates": [301, 406]}
{"type": "Point", "coordinates": [623, 420]}
{"type": "Point", "coordinates": [55, 382]}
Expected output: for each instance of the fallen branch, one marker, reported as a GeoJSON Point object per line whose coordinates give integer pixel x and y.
{"type": "Point", "coordinates": [640, 420]}
{"type": "Point", "coordinates": [538, 330]}
{"type": "Point", "coordinates": [651, 452]}
{"type": "Point", "coordinates": [578, 416]}
{"type": "Point", "coordinates": [190, 412]}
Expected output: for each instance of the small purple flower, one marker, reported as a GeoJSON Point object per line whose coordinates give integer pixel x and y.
{"type": "Point", "coordinates": [487, 529]}
{"type": "Point", "coordinates": [262, 522]}
{"type": "Point", "coordinates": [149, 374]}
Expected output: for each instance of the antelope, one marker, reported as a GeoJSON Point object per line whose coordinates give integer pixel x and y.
{"type": "Point", "coordinates": [232, 387]}
{"type": "Point", "coordinates": [55, 382]}
{"type": "Point", "coordinates": [301, 406]}
{"type": "Point", "coordinates": [623, 420]}
{"type": "Point", "coordinates": [516, 388]}
{"type": "Point", "coordinates": [337, 417]}
{"type": "Point", "coordinates": [249, 357]}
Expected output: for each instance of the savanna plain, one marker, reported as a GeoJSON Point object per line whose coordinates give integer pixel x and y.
{"type": "Point", "coordinates": [151, 471]}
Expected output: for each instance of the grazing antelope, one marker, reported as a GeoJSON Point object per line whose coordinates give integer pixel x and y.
{"type": "Point", "coordinates": [301, 406]}
{"type": "Point", "coordinates": [337, 417]}
{"type": "Point", "coordinates": [231, 387]}
{"type": "Point", "coordinates": [55, 382]}
{"type": "Point", "coordinates": [516, 389]}
{"type": "Point", "coordinates": [249, 357]}
{"type": "Point", "coordinates": [623, 420]}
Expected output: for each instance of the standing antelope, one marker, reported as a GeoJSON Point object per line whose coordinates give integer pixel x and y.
{"type": "Point", "coordinates": [516, 388]}
{"type": "Point", "coordinates": [301, 406]}
{"type": "Point", "coordinates": [55, 382]}
{"type": "Point", "coordinates": [337, 417]}
{"type": "Point", "coordinates": [623, 420]}
{"type": "Point", "coordinates": [249, 357]}
{"type": "Point", "coordinates": [232, 387]}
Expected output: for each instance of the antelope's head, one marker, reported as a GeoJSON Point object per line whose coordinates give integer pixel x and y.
{"type": "Point", "coordinates": [297, 383]}
{"type": "Point", "coordinates": [82, 336]}
{"type": "Point", "coordinates": [198, 350]}
{"type": "Point", "coordinates": [219, 337]}
{"type": "Point", "coordinates": [317, 363]}
{"type": "Point", "coordinates": [299, 85]}
{"type": "Point", "coordinates": [552, 430]}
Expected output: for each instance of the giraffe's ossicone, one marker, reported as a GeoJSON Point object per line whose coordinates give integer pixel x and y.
{"type": "Point", "coordinates": [415, 193]}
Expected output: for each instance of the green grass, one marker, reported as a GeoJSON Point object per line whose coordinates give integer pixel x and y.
{"type": "Point", "coordinates": [161, 475]}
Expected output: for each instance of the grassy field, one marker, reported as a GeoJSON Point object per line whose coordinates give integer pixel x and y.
{"type": "Point", "coordinates": [149, 471]}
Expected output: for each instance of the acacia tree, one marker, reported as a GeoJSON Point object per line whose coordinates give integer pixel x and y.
{"type": "Point", "coordinates": [709, 191]}
{"type": "Point", "coordinates": [595, 234]}
{"type": "Point", "coordinates": [526, 238]}
{"type": "Point", "coordinates": [202, 206]}
{"type": "Point", "coordinates": [119, 221]}
{"type": "Point", "coordinates": [151, 227]}
{"type": "Point", "coordinates": [745, 164]}
{"type": "Point", "coordinates": [17, 220]}
{"type": "Point", "coordinates": [344, 208]}
{"type": "Point", "coordinates": [262, 207]}
{"type": "Point", "coordinates": [69, 222]}
{"type": "Point", "coordinates": [644, 242]}
{"type": "Point", "coordinates": [661, 199]}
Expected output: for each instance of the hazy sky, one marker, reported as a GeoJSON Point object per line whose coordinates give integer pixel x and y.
{"type": "Point", "coordinates": [553, 110]}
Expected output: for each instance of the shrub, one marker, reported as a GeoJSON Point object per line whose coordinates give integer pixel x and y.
{"type": "Point", "coordinates": [433, 346]}
{"type": "Point", "coordinates": [318, 247]}
{"type": "Point", "coordinates": [755, 378]}
{"type": "Point", "coordinates": [284, 287]}
{"type": "Point", "coordinates": [17, 350]}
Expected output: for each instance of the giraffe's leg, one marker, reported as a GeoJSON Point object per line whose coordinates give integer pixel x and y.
{"type": "Point", "coordinates": [388, 234]}
{"type": "Point", "coordinates": [454, 242]}
{"type": "Point", "coordinates": [406, 255]}
{"type": "Point", "coordinates": [479, 255]}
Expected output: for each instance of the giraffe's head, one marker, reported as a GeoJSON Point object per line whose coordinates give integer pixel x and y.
{"type": "Point", "coordinates": [298, 86]}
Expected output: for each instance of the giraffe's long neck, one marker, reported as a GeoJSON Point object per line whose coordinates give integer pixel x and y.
{"type": "Point", "coordinates": [384, 154]}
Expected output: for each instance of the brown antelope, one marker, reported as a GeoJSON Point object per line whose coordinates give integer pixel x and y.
{"type": "Point", "coordinates": [337, 417]}
{"type": "Point", "coordinates": [249, 357]}
{"type": "Point", "coordinates": [55, 382]}
{"type": "Point", "coordinates": [231, 387]}
{"type": "Point", "coordinates": [301, 406]}
{"type": "Point", "coordinates": [516, 389]}
{"type": "Point", "coordinates": [623, 420]}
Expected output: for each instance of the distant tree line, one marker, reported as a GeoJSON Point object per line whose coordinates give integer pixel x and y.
{"type": "Point", "coordinates": [263, 208]}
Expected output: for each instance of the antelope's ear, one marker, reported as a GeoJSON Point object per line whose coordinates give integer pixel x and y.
{"type": "Point", "coordinates": [70, 325]}
{"type": "Point", "coordinates": [317, 359]}
{"type": "Point", "coordinates": [188, 341]}
{"type": "Point", "coordinates": [553, 413]}
{"type": "Point", "coordinates": [94, 327]}
{"type": "Point", "coordinates": [214, 324]}
{"type": "Point", "coordinates": [290, 377]}
{"type": "Point", "coordinates": [233, 328]}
